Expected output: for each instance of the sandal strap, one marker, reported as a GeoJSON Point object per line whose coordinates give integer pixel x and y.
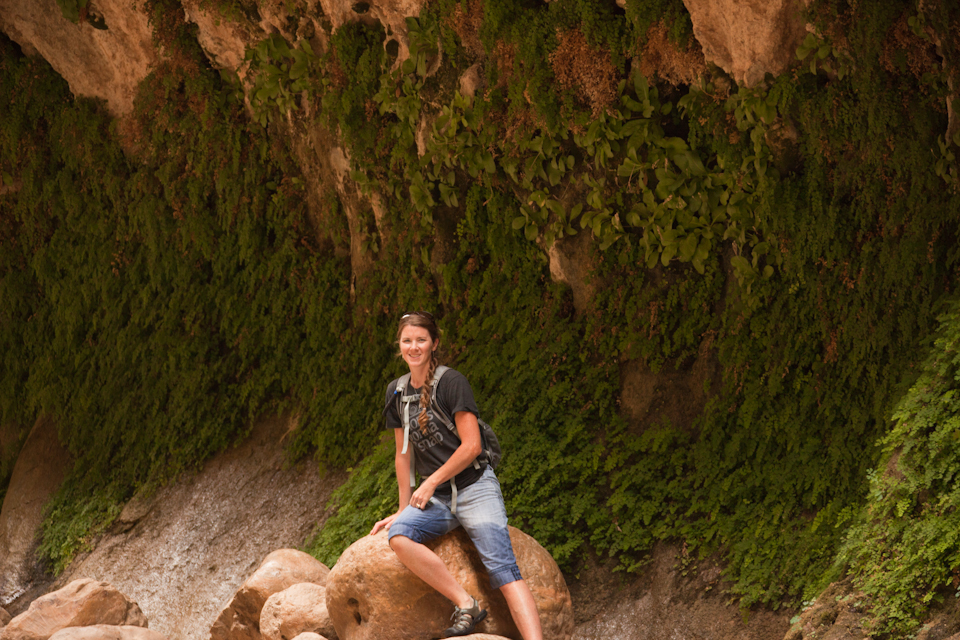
{"type": "Point", "coordinates": [464, 620]}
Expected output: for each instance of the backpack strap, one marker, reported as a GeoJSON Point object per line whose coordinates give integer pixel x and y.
{"type": "Point", "coordinates": [403, 408]}
{"type": "Point", "coordinates": [444, 418]}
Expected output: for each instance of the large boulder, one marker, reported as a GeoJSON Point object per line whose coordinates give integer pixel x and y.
{"type": "Point", "coordinates": [363, 588]}
{"type": "Point", "coordinates": [103, 56]}
{"type": "Point", "coordinates": [748, 38]}
{"type": "Point", "coordinates": [107, 632]}
{"type": "Point", "coordinates": [81, 603]}
{"type": "Point", "coordinates": [240, 620]}
{"type": "Point", "coordinates": [37, 473]}
{"type": "Point", "coordinates": [300, 608]}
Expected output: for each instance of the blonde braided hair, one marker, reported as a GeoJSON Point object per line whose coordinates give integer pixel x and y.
{"type": "Point", "coordinates": [425, 321]}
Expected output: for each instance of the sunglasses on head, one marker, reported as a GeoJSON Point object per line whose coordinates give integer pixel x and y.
{"type": "Point", "coordinates": [422, 314]}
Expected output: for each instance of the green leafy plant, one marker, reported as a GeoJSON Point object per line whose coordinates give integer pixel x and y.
{"type": "Point", "coordinates": [280, 73]}
{"type": "Point", "coordinates": [904, 550]}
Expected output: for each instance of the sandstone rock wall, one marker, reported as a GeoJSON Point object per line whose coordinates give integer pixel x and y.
{"type": "Point", "coordinates": [748, 38]}
{"type": "Point", "coordinates": [37, 474]}
{"type": "Point", "coordinates": [107, 63]}
{"type": "Point", "coordinates": [183, 553]}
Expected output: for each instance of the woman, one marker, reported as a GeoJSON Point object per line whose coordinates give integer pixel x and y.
{"type": "Point", "coordinates": [435, 507]}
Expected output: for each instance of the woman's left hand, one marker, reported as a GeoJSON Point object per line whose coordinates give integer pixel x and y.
{"type": "Point", "coordinates": [422, 495]}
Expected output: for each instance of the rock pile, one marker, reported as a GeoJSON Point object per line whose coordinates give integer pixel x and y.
{"type": "Point", "coordinates": [282, 569]}
{"type": "Point", "coordinates": [82, 603]}
{"type": "Point", "coordinates": [292, 596]}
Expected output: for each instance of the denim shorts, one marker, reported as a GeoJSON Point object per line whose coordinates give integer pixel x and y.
{"type": "Point", "coordinates": [481, 513]}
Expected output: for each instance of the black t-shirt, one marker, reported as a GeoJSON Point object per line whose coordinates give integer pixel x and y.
{"type": "Point", "coordinates": [433, 448]}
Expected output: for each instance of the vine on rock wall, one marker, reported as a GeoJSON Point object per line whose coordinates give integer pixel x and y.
{"type": "Point", "coordinates": [904, 548]}
{"type": "Point", "coordinates": [797, 234]}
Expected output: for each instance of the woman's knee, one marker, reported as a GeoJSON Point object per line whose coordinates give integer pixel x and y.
{"type": "Point", "coordinates": [399, 541]}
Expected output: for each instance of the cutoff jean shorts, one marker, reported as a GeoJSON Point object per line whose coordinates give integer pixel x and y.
{"type": "Point", "coordinates": [480, 512]}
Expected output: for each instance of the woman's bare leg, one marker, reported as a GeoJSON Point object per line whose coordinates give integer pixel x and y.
{"type": "Point", "coordinates": [523, 609]}
{"type": "Point", "coordinates": [430, 568]}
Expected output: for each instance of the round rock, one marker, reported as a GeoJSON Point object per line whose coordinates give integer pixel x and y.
{"type": "Point", "coordinates": [371, 595]}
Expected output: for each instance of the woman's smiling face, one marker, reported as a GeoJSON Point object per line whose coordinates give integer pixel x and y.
{"type": "Point", "coordinates": [416, 346]}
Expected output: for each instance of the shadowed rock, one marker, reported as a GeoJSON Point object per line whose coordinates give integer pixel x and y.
{"type": "Point", "coordinates": [37, 474]}
{"type": "Point", "coordinates": [295, 610]}
{"type": "Point", "coordinates": [240, 620]}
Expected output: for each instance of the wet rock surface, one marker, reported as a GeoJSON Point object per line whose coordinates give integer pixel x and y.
{"type": "Point", "coordinates": [362, 590]}
{"type": "Point", "coordinates": [183, 553]}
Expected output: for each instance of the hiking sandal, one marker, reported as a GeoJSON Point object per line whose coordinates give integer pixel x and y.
{"type": "Point", "coordinates": [464, 620]}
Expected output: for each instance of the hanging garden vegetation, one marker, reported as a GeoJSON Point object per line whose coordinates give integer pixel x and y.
{"type": "Point", "coordinates": [784, 250]}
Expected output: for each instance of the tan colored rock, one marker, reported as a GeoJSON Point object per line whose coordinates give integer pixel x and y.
{"type": "Point", "coordinates": [363, 588]}
{"type": "Point", "coordinates": [471, 81]}
{"type": "Point", "coordinates": [37, 473]}
{"type": "Point", "coordinates": [356, 207]}
{"type": "Point", "coordinates": [309, 635]}
{"type": "Point", "coordinates": [223, 39]}
{"type": "Point", "coordinates": [240, 619]}
{"type": "Point", "coordinates": [107, 632]}
{"type": "Point", "coordinates": [571, 262]}
{"type": "Point", "coordinates": [107, 63]}
{"type": "Point", "coordinates": [81, 603]}
{"type": "Point", "coordinates": [748, 38]}
{"type": "Point", "coordinates": [297, 609]}
{"type": "Point", "coordinates": [390, 13]}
